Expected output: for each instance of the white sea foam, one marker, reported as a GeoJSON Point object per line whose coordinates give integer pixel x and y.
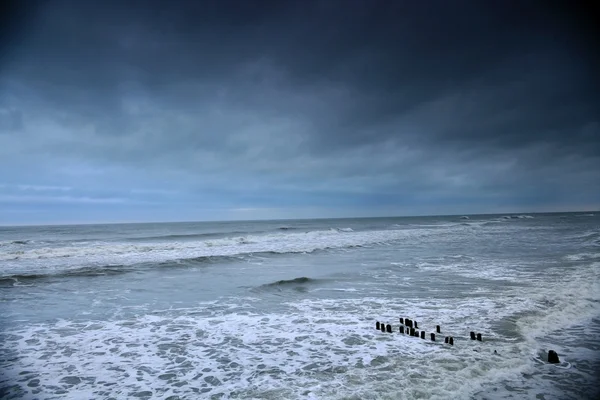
{"type": "Point", "coordinates": [319, 348]}
{"type": "Point", "coordinates": [467, 268]}
{"type": "Point", "coordinates": [565, 302]}
{"type": "Point", "coordinates": [325, 349]}
{"type": "Point", "coordinates": [582, 256]}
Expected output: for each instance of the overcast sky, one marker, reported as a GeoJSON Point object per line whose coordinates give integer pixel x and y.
{"type": "Point", "coordinates": [209, 110]}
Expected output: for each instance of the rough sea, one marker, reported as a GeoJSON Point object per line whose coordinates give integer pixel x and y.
{"type": "Point", "coordinates": [288, 309]}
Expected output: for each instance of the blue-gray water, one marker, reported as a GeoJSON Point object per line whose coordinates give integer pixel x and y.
{"type": "Point", "coordinates": [287, 309]}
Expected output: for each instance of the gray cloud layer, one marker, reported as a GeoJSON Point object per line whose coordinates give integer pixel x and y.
{"type": "Point", "coordinates": [385, 106]}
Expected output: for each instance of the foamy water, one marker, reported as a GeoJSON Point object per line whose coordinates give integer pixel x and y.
{"type": "Point", "coordinates": [290, 313]}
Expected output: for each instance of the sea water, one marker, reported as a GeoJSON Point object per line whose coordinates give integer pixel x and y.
{"type": "Point", "coordinates": [287, 309]}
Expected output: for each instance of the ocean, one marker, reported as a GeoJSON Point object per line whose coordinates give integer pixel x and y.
{"type": "Point", "coordinates": [288, 309]}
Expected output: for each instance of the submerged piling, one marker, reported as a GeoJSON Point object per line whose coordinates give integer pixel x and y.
{"type": "Point", "coordinates": [377, 325]}
{"type": "Point", "coordinates": [437, 329]}
{"type": "Point", "coordinates": [388, 328]}
{"type": "Point", "coordinates": [382, 327]}
{"type": "Point", "coordinates": [401, 329]}
{"type": "Point", "coordinates": [446, 339]}
{"type": "Point", "coordinates": [422, 334]}
{"type": "Point", "coordinates": [479, 337]}
{"type": "Point", "coordinates": [472, 335]}
{"type": "Point", "coordinates": [416, 326]}
{"type": "Point", "coordinates": [432, 337]}
{"type": "Point", "coordinates": [401, 320]}
{"type": "Point", "coordinates": [451, 341]}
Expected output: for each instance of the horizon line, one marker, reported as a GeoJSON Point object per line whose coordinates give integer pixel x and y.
{"type": "Point", "coordinates": [295, 219]}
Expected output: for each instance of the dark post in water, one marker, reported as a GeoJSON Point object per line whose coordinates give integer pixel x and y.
{"type": "Point", "coordinates": [401, 329]}
{"type": "Point", "coordinates": [422, 334]}
{"type": "Point", "coordinates": [433, 337]}
{"type": "Point", "coordinates": [479, 337]}
{"type": "Point", "coordinates": [472, 335]}
{"type": "Point", "coordinates": [377, 325]}
{"type": "Point", "coordinates": [389, 328]}
{"type": "Point", "coordinates": [553, 357]}
{"type": "Point", "coordinates": [437, 329]}
{"type": "Point", "coordinates": [451, 341]}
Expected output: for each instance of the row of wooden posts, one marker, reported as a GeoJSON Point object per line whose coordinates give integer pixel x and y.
{"type": "Point", "coordinates": [411, 326]}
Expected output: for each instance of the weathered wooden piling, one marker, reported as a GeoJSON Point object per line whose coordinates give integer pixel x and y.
{"type": "Point", "coordinates": [416, 326]}
{"type": "Point", "coordinates": [388, 328]}
{"type": "Point", "coordinates": [377, 325]}
{"type": "Point", "coordinates": [553, 357]}
{"type": "Point", "coordinates": [401, 320]}
{"type": "Point", "coordinates": [451, 341]}
{"type": "Point", "coordinates": [479, 337]}
{"type": "Point", "coordinates": [412, 331]}
{"type": "Point", "coordinates": [472, 335]}
{"type": "Point", "coordinates": [382, 327]}
{"type": "Point", "coordinates": [446, 339]}
{"type": "Point", "coordinates": [401, 329]}
{"type": "Point", "coordinates": [432, 337]}
{"type": "Point", "coordinates": [422, 334]}
{"type": "Point", "coordinates": [437, 329]}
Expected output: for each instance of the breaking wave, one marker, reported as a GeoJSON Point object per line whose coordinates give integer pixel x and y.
{"type": "Point", "coordinates": [287, 228]}
{"type": "Point", "coordinates": [112, 269]}
{"type": "Point", "coordinates": [522, 216]}
{"type": "Point", "coordinates": [46, 259]}
{"type": "Point", "coordinates": [18, 279]}
{"type": "Point", "coordinates": [13, 242]}
{"type": "Point", "coordinates": [189, 236]}
{"type": "Point", "coordinates": [301, 284]}
{"type": "Point", "coordinates": [295, 281]}
{"type": "Point", "coordinates": [91, 256]}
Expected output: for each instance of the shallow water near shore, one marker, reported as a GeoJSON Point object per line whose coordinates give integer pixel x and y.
{"type": "Point", "coordinates": [287, 309]}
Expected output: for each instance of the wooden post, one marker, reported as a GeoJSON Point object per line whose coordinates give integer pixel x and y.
{"type": "Point", "coordinates": [553, 357]}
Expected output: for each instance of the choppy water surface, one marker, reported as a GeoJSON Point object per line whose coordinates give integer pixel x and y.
{"type": "Point", "coordinates": [287, 309]}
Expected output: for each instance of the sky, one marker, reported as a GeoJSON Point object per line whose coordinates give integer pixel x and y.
{"type": "Point", "coordinates": [134, 111]}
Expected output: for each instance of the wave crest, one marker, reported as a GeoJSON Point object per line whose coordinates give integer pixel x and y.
{"type": "Point", "coordinates": [295, 281]}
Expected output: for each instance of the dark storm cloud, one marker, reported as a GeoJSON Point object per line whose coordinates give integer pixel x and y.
{"type": "Point", "coordinates": [374, 100]}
